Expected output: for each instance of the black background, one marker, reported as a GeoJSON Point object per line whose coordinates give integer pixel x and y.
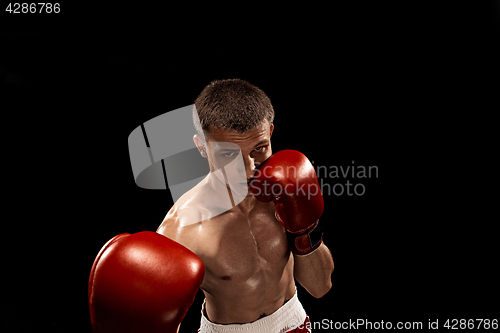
{"type": "Point", "coordinates": [410, 88]}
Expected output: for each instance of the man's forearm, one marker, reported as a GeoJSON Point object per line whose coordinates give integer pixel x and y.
{"type": "Point", "coordinates": [313, 271]}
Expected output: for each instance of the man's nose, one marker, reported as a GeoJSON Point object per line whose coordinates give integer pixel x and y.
{"type": "Point", "coordinates": [249, 167]}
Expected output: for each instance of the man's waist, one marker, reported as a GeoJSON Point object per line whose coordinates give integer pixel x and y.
{"type": "Point", "coordinates": [281, 320]}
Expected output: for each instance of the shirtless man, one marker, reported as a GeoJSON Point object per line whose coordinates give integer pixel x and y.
{"type": "Point", "coordinates": [249, 268]}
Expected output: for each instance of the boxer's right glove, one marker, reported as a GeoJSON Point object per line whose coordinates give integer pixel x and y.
{"type": "Point", "coordinates": [142, 283]}
{"type": "Point", "coordinates": [288, 179]}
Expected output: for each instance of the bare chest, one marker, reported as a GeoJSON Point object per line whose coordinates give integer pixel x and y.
{"type": "Point", "coordinates": [245, 247]}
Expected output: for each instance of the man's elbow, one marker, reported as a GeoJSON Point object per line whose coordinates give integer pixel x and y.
{"type": "Point", "coordinates": [321, 290]}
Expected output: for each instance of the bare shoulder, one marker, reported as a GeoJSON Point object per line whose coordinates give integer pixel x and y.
{"type": "Point", "coordinates": [183, 222]}
{"type": "Point", "coordinates": [181, 225]}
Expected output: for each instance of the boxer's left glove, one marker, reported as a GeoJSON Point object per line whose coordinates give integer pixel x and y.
{"type": "Point", "coordinates": [289, 180]}
{"type": "Point", "coordinates": [142, 283]}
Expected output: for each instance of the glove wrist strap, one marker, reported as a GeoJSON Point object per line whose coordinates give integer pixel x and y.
{"type": "Point", "coordinates": [302, 244]}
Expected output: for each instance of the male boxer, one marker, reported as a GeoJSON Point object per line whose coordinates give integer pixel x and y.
{"type": "Point", "coordinates": [253, 251]}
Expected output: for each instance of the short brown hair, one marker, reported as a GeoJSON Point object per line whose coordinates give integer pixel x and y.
{"type": "Point", "coordinates": [232, 104]}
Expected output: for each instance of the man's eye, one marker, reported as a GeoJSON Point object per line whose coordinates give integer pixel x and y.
{"type": "Point", "coordinates": [260, 148]}
{"type": "Point", "coordinates": [229, 154]}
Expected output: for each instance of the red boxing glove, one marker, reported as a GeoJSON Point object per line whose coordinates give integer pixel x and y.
{"type": "Point", "coordinates": [141, 283]}
{"type": "Point", "coordinates": [289, 180]}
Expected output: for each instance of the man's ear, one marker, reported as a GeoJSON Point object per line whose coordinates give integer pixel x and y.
{"type": "Point", "coordinates": [271, 132]}
{"type": "Point", "coordinates": [200, 144]}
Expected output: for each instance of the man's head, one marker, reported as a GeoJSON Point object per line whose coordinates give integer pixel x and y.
{"type": "Point", "coordinates": [234, 116]}
{"type": "Point", "coordinates": [233, 105]}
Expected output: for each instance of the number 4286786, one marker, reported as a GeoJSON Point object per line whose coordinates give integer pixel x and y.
{"type": "Point", "coordinates": [33, 8]}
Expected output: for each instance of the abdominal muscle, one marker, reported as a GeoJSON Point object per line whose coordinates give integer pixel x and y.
{"type": "Point", "coordinates": [249, 269]}
{"type": "Point", "coordinates": [240, 302]}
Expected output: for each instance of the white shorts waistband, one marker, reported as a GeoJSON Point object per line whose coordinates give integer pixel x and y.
{"type": "Point", "coordinates": [286, 318]}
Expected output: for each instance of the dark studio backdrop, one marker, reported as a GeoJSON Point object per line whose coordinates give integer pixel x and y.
{"type": "Point", "coordinates": [409, 89]}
